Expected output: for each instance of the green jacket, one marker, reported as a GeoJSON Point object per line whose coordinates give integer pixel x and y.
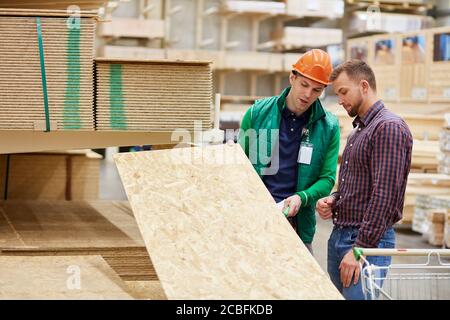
{"type": "Point", "coordinates": [315, 180]}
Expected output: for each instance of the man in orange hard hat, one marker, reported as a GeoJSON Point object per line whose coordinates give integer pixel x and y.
{"type": "Point", "coordinates": [293, 142]}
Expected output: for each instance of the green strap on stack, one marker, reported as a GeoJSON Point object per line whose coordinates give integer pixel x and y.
{"type": "Point", "coordinates": [116, 106]}
{"type": "Point", "coordinates": [71, 115]}
{"type": "Point", "coordinates": [43, 76]}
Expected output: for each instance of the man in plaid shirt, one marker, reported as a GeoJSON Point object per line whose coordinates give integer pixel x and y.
{"type": "Point", "coordinates": [372, 178]}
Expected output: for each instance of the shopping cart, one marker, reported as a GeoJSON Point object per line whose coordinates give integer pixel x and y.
{"type": "Point", "coordinates": [422, 281]}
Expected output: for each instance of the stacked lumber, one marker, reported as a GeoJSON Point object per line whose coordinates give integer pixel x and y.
{"type": "Point", "coordinates": [447, 232]}
{"type": "Point", "coordinates": [76, 228]}
{"type": "Point", "coordinates": [444, 156]}
{"type": "Point", "coordinates": [436, 222]}
{"type": "Point", "coordinates": [298, 37]}
{"type": "Point", "coordinates": [425, 203]}
{"type": "Point", "coordinates": [57, 175]}
{"type": "Point", "coordinates": [59, 278]}
{"type": "Point", "coordinates": [132, 28]}
{"type": "Point", "coordinates": [320, 8]}
{"type": "Point", "coordinates": [434, 184]}
{"type": "Point", "coordinates": [66, 60]}
{"type": "Point", "coordinates": [52, 4]}
{"type": "Point", "coordinates": [389, 22]}
{"type": "Point", "coordinates": [269, 7]}
{"type": "Point", "coordinates": [146, 95]}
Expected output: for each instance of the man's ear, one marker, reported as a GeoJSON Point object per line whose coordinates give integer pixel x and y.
{"type": "Point", "coordinates": [364, 86]}
{"type": "Point", "coordinates": [291, 78]}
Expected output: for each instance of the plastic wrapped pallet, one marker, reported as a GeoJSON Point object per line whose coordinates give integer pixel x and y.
{"type": "Point", "coordinates": [46, 70]}
{"type": "Point", "coordinates": [147, 95]}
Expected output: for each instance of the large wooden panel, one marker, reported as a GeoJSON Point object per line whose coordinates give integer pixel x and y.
{"type": "Point", "coordinates": [59, 278]}
{"type": "Point", "coordinates": [212, 229]}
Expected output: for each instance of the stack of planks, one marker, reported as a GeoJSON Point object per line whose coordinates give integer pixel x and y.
{"type": "Point", "coordinates": [46, 70]}
{"type": "Point", "coordinates": [57, 175]}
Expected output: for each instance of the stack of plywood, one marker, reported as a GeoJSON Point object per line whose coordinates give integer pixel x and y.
{"type": "Point", "coordinates": [143, 95]}
{"type": "Point", "coordinates": [270, 7]}
{"type": "Point", "coordinates": [318, 8]}
{"type": "Point", "coordinates": [444, 157]}
{"type": "Point", "coordinates": [68, 49]}
{"type": "Point", "coordinates": [447, 232]}
{"type": "Point", "coordinates": [436, 222]}
{"type": "Point", "coordinates": [69, 175]}
{"type": "Point", "coordinates": [425, 203]}
{"type": "Point", "coordinates": [361, 22]}
{"type": "Point", "coordinates": [52, 4]}
{"type": "Point", "coordinates": [76, 228]}
{"type": "Point", "coordinates": [414, 205]}
{"type": "Point", "coordinates": [298, 37]}
{"type": "Point", "coordinates": [132, 28]}
{"type": "Point", "coordinates": [59, 278]}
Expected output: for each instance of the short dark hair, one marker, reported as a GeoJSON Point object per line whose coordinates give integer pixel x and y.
{"type": "Point", "coordinates": [356, 70]}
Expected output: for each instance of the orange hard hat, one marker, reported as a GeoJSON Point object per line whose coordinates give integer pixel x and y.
{"type": "Point", "coordinates": [315, 65]}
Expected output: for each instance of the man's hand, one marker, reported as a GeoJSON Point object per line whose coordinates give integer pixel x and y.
{"type": "Point", "coordinates": [324, 207]}
{"type": "Point", "coordinates": [349, 267]}
{"type": "Point", "coordinates": [294, 203]}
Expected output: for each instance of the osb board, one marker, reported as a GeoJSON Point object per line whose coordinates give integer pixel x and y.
{"type": "Point", "coordinates": [56, 278]}
{"type": "Point", "coordinates": [62, 224]}
{"type": "Point", "coordinates": [145, 290]}
{"type": "Point", "coordinates": [212, 229]}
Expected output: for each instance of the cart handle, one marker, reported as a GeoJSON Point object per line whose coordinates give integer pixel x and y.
{"type": "Point", "coordinates": [358, 252]}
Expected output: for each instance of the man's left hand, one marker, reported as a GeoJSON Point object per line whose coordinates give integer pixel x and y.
{"type": "Point", "coordinates": [294, 203]}
{"type": "Point", "coordinates": [349, 267]}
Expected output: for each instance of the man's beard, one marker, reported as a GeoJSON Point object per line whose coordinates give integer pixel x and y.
{"type": "Point", "coordinates": [355, 108]}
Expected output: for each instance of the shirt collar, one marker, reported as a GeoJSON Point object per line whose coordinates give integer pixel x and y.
{"type": "Point", "coordinates": [286, 113]}
{"type": "Point", "coordinates": [373, 111]}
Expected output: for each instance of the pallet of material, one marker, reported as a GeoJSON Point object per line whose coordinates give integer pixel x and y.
{"type": "Point", "coordinates": [152, 95]}
{"type": "Point", "coordinates": [60, 277]}
{"type": "Point", "coordinates": [257, 7]}
{"type": "Point", "coordinates": [56, 175]}
{"type": "Point", "coordinates": [389, 22]}
{"type": "Point", "coordinates": [212, 229]}
{"type": "Point", "coordinates": [436, 224]}
{"type": "Point", "coordinates": [125, 52]}
{"type": "Point", "coordinates": [76, 228]}
{"type": "Point", "coordinates": [447, 232]}
{"type": "Point", "coordinates": [435, 184]}
{"type": "Point", "coordinates": [132, 28]}
{"type": "Point", "coordinates": [215, 57]}
{"type": "Point", "coordinates": [67, 58]}
{"type": "Point", "coordinates": [253, 61]}
{"type": "Point", "coordinates": [52, 4]}
{"type": "Point", "coordinates": [298, 37]}
{"type": "Point", "coordinates": [321, 8]}
{"type": "Point", "coordinates": [425, 202]}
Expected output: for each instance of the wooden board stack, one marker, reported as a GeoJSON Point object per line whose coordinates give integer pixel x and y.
{"type": "Point", "coordinates": [52, 4]}
{"type": "Point", "coordinates": [59, 278]}
{"type": "Point", "coordinates": [212, 229]}
{"type": "Point", "coordinates": [76, 228]}
{"type": "Point", "coordinates": [422, 185]}
{"type": "Point", "coordinates": [67, 57]}
{"type": "Point", "coordinates": [58, 175]}
{"type": "Point", "coordinates": [145, 95]}
{"type": "Point", "coordinates": [425, 203]}
{"type": "Point", "coordinates": [444, 156]}
{"type": "Point", "coordinates": [436, 222]}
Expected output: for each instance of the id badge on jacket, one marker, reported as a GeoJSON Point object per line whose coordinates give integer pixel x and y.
{"type": "Point", "coordinates": [305, 153]}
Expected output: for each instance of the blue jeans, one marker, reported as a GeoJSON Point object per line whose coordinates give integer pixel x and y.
{"type": "Point", "coordinates": [340, 242]}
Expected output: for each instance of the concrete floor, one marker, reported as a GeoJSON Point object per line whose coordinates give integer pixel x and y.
{"type": "Point", "coordinates": [111, 189]}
